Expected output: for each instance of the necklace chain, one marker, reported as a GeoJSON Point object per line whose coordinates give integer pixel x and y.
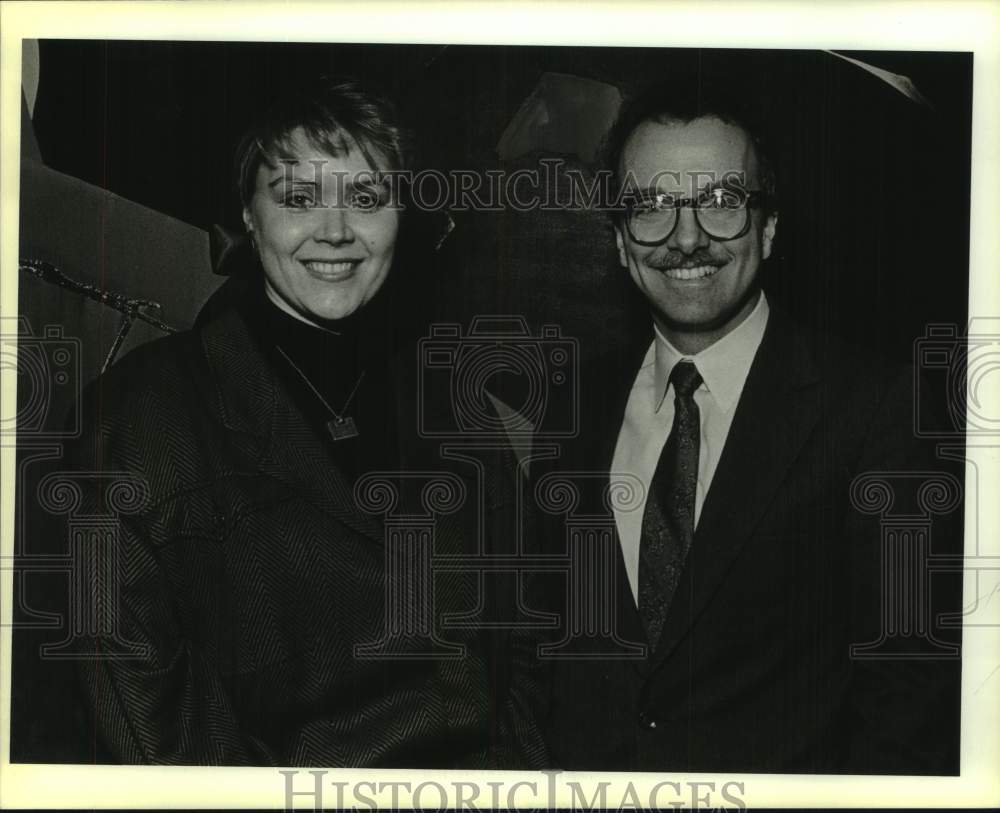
{"type": "Point", "coordinates": [339, 416]}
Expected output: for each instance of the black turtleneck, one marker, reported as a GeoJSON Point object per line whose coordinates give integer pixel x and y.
{"type": "Point", "coordinates": [349, 363]}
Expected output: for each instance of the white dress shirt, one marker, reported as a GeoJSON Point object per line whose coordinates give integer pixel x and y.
{"type": "Point", "coordinates": [649, 416]}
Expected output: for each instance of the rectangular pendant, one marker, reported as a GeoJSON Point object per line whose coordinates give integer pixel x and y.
{"type": "Point", "coordinates": [342, 428]}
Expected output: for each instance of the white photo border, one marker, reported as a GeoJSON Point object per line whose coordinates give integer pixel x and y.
{"type": "Point", "coordinates": [874, 25]}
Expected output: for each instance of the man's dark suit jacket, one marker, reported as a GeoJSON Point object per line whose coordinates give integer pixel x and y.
{"type": "Point", "coordinates": [753, 673]}
{"type": "Point", "coordinates": [250, 575]}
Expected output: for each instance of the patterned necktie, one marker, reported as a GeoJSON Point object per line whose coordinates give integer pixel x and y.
{"type": "Point", "coordinates": [668, 522]}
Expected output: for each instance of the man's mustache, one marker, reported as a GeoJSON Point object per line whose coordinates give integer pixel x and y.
{"type": "Point", "coordinates": [677, 259]}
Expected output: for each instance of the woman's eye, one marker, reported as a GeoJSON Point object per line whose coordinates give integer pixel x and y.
{"type": "Point", "coordinates": [299, 200]}
{"type": "Point", "coordinates": [367, 200]}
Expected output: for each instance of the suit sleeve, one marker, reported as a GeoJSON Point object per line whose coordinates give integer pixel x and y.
{"type": "Point", "coordinates": [904, 711]}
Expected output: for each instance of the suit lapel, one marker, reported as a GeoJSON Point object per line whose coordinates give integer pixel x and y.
{"type": "Point", "coordinates": [263, 421]}
{"type": "Point", "coordinates": [776, 413]}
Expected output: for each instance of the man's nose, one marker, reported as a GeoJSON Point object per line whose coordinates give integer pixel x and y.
{"type": "Point", "coordinates": [688, 235]}
{"type": "Point", "coordinates": [334, 225]}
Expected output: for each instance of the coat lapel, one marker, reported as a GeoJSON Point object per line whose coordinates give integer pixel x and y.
{"type": "Point", "coordinates": [263, 421]}
{"type": "Point", "coordinates": [776, 413]}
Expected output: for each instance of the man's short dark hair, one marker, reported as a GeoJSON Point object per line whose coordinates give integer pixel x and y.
{"type": "Point", "coordinates": [665, 103]}
{"type": "Point", "coordinates": [331, 112]}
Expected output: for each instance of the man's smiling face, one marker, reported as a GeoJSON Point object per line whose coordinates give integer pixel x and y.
{"type": "Point", "coordinates": [699, 289]}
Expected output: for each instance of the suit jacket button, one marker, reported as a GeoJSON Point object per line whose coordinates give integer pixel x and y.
{"type": "Point", "coordinates": [645, 721]}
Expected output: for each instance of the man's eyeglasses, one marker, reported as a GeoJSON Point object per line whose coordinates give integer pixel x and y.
{"type": "Point", "coordinates": [722, 212]}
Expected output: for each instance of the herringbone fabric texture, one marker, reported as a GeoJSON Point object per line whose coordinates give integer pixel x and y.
{"type": "Point", "coordinates": [250, 576]}
{"type": "Point", "coordinates": [668, 522]}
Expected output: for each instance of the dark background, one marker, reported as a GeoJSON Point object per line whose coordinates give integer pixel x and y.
{"type": "Point", "coordinates": [872, 245]}
{"type": "Point", "coordinates": [874, 189]}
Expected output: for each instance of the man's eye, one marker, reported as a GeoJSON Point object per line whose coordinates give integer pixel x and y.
{"type": "Point", "coordinates": [646, 209]}
{"type": "Point", "coordinates": [654, 203]}
{"type": "Point", "coordinates": [722, 198]}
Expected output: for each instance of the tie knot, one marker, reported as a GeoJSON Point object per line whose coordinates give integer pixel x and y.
{"type": "Point", "coordinates": [685, 378]}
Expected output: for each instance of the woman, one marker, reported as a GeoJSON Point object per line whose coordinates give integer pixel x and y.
{"type": "Point", "coordinates": [250, 621]}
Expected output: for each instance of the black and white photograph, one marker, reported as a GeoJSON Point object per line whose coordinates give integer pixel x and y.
{"type": "Point", "coordinates": [499, 410]}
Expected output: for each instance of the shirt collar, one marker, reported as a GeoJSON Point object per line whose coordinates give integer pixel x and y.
{"type": "Point", "coordinates": [724, 366]}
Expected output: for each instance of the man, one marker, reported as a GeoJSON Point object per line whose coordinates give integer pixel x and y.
{"type": "Point", "coordinates": [743, 569]}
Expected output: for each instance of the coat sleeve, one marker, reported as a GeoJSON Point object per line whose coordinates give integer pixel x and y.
{"type": "Point", "coordinates": [519, 689]}
{"type": "Point", "coordinates": [525, 702]}
{"type": "Point", "coordinates": [153, 695]}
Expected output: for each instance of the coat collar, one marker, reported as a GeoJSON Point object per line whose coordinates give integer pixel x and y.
{"type": "Point", "coordinates": [265, 424]}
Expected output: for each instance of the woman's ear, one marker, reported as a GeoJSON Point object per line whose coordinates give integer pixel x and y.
{"type": "Point", "coordinates": [248, 223]}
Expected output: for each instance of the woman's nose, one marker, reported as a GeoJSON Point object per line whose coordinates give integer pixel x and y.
{"type": "Point", "coordinates": [334, 225]}
{"type": "Point", "coordinates": [688, 235]}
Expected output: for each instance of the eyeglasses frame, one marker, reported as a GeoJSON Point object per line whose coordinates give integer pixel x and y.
{"type": "Point", "coordinates": [755, 198]}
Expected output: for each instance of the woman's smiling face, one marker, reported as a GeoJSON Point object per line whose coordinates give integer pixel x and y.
{"type": "Point", "coordinates": [324, 228]}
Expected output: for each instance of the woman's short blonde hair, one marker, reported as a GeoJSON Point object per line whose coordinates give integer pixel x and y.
{"type": "Point", "coordinates": [335, 115]}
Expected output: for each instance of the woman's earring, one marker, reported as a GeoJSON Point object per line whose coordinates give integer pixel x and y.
{"type": "Point", "coordinates": [253, 243]}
